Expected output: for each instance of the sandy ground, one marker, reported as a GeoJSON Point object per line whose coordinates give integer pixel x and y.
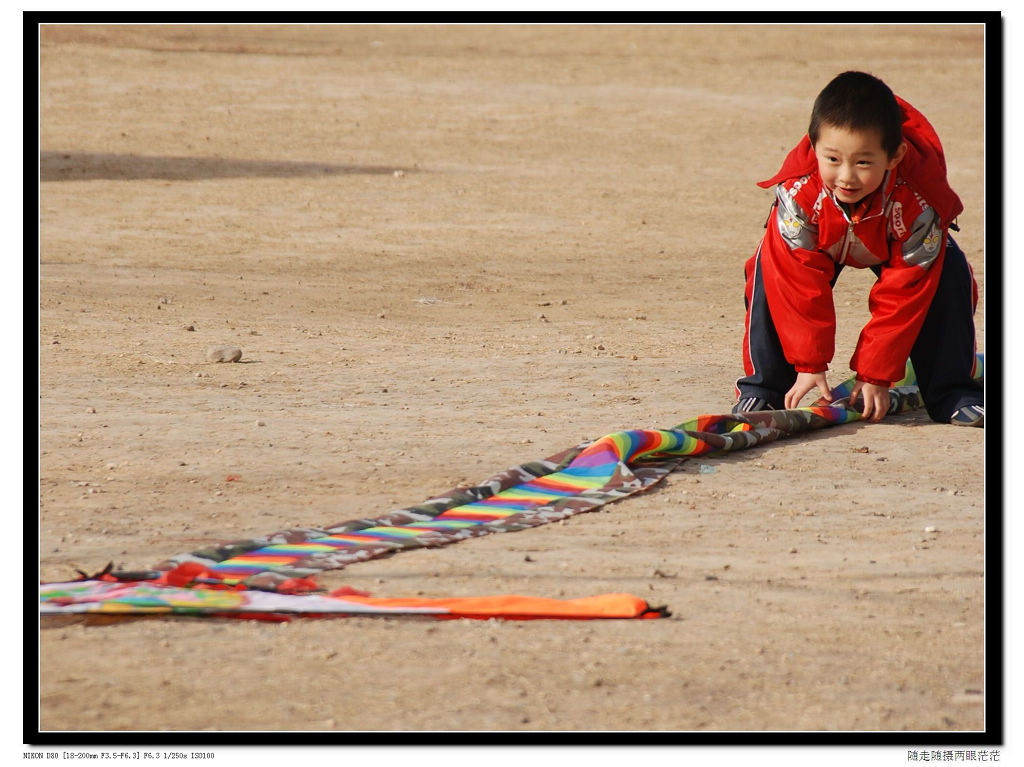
{"type": "Point", "coordinates": [446, 251]}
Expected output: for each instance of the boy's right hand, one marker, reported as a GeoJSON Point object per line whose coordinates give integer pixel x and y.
{"type": "Point", "coordinates": [804, 383]}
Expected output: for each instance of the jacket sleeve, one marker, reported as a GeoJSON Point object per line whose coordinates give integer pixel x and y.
{"type": "Point", "coordinates": [899, 302]}
{"type": "Point", "coordinates": [797, 283]}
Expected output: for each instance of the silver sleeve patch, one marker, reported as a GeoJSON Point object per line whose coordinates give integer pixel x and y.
{"type": "Point", "coordinates": [793, 223]}
{"type": "Point", "coordinates": [921, 248]}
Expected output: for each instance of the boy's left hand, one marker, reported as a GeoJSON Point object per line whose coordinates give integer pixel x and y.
{"type": "Point", "coordinates": [876, 400]}
{"type": "Point", "coordinates": [806, 382]}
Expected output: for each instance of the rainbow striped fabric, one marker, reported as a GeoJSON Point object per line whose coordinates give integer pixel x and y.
{"type": "Point", "coordinates": [577, 480]}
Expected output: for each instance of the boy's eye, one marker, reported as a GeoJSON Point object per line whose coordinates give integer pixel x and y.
{"type": "Point", "coordinates": [864, 163]}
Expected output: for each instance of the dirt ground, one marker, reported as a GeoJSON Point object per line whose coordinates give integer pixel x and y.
{"type": "Point", "coordinates": [445, 251]}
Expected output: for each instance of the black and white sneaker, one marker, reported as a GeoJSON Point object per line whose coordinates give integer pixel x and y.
{"type": "Point", "coordinates": [969, 415]}
{"type": "Point", "coordinates": [751, 405]}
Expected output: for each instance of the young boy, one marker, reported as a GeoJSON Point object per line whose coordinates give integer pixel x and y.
{"type": "Point", "coordinates": [867, 188]}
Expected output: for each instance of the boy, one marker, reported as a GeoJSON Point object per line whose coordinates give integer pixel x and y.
{"type": "Point", "coordinates": [865, 188]}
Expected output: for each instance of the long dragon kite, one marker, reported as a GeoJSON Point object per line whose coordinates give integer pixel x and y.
{"type": "Point", "coordinates": [576, 480]}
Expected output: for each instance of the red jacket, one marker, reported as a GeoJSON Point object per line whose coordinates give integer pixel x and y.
{"type": "Point", "coordinates": [900, 228]}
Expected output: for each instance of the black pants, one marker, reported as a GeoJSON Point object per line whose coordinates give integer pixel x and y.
{"type": "Point", "coordinates": [943, 354]}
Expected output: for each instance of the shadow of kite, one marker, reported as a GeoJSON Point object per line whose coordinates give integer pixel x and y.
{"type": "Point", "coordinates": [93, 166]}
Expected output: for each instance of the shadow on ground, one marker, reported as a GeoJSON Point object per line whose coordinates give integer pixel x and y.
{"type": "Point", "coordinates": [92, 166]}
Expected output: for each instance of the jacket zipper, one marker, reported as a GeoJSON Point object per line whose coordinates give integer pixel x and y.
{"type": "Point", "coordinates": [844, 253]}
{"type": "Point", "coordinates": [847, 243]}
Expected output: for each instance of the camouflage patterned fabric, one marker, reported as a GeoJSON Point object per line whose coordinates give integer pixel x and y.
{"type": "Point", "coordinates": [576, 480]}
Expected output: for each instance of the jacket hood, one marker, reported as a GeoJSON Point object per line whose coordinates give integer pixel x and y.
{"type": "Point", "coordinates": [923, 167]}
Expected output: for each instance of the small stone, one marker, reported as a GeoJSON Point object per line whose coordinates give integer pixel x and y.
{"type": "Point", "coordinates": [930, 529]}
{"type": "Point", "coordinates": [261, 423]}
{"type": "Point", "coordinates": [90, 410]}
{"type": "Point", "coordinates": [190, 328]}
{"type": "Point", "coordinates": [224, 353]}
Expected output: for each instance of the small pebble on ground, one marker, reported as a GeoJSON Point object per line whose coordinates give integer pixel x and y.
{"type": "Point", "coordinates": [223, 353]}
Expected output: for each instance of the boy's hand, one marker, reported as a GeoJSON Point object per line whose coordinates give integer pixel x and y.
{"type": "Point", "coordinates": [876, 400]}
{"type": "Point", "coordinates": [804, 383]}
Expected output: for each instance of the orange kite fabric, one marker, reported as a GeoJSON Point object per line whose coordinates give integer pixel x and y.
{"type": "Point", "coordinates": [139, 598]}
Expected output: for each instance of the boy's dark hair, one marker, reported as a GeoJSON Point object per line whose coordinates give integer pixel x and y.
{"type": "Point", "coordinates": [858, 101]}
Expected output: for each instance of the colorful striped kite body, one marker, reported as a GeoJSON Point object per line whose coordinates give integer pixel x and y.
{"type": "Point", "coordinates": [576, 480]}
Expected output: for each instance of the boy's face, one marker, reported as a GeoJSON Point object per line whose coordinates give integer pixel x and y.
{"type": "Point", "coordinates": [853, 163]}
